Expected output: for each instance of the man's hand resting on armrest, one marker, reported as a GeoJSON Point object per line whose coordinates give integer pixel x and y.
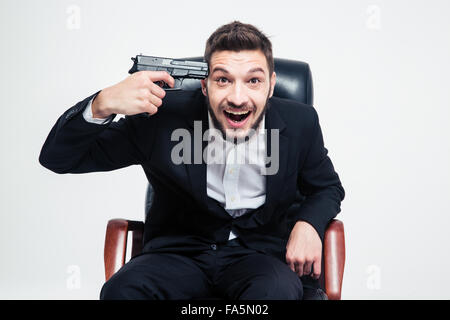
{"type": "Point", "coordinates": [136, 94]}
{"type": "Point", "coordinates": [304, 248]}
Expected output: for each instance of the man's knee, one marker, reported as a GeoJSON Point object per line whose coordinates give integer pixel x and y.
{"type": "Point", "coordinates": [285, 287]}
{"type": "Point", "coordinates": [275, 287]}
{"type": "Point", "coordinates": [124, 286]}
{"type": "Point", "coordinates": [111, 290]}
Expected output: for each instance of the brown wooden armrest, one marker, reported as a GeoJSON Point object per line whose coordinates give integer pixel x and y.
{"type": "Point", "coordinates": [334, 259]}
{"type": "Point", "coordinates": [116, 243]}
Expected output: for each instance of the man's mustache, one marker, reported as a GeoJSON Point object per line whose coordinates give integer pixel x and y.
{"type": "Point", "coordinates": [241, 107]}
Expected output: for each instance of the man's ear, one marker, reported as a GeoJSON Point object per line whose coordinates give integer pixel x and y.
{"type": "Point", "coordinates": [203, 82]}
{"type": "Point", "coordinates": [273, 80]}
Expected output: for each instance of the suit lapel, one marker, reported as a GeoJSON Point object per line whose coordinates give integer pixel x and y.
{"type": "Point", "coordinates": [274, 182]}
{"type": "Point", "coordinates": [197, 125]}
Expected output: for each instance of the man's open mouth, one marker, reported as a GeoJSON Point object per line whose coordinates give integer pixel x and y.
{"type": "Point", "coordinates": [237, 116]}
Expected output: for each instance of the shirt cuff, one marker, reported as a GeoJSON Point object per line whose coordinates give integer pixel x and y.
{"type": "Point", "coordinates": [88, 116]}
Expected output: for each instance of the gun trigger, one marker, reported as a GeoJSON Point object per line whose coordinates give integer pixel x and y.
{"type": "Point", "coordinates": [160, 83]}
{"type": "Point", "coordinates": [176, 85]}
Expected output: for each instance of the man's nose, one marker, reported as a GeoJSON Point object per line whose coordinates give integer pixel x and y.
{"type": "Point", "coordinates": [238, 96]}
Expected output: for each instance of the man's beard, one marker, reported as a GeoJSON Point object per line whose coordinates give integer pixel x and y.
{"type": "Point", "coordinates": [221, 128]}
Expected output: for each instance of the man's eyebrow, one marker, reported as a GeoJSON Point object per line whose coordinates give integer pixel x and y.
{"type": "Point", "coordinates": [257, 69]}
{"type": "Point", "coordinates": [219, 69]}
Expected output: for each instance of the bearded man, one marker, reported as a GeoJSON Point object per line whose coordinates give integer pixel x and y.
{"type": "Point", "coordinates": [227, 228]}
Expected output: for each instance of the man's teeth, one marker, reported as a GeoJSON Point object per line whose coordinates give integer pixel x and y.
{"type": "Point", "coordinates": [238, 112]}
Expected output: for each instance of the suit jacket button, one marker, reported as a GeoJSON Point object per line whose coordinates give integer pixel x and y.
{"type": "Point", "coordinates": [214, 247]}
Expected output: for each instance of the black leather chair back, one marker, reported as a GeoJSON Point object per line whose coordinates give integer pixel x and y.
{"type": "Point", "coordinates": [294, 81]}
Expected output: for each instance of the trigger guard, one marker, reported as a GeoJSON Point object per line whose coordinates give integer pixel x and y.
{"type": "Point", "coordinates": [176, 86]}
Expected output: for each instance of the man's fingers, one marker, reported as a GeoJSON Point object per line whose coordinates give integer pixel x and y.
{"type": "Point", "coordinates": [317, 268]}
{"type": "Point", "coordinates": [304, 266]}
{"type": "Point", "coordinates": [161, 76]}
{"type": "Point", "coordinates": [292, 266]}
{"type": "Point", "coordinates": [299, 268]}
{"type": "Point", "coordinates": [154, 100]}
{"type": "Point", "coordinates": [157, 91]}
{"type": "Point", "coordinates": [307, 268]}
{"type": "Point", "coordinates": [151, 109]}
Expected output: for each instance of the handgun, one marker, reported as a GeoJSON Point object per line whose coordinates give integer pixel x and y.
{"type": "Point", "coordinates": [179, 69]}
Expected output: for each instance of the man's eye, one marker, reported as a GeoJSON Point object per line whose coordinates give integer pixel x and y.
{"type": "Point", "coordinates": [222, 80]}
{"type": "Point", "coordinates": [254, 80]}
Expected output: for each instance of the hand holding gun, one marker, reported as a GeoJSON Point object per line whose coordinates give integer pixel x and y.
{"type": "Point", "coordinates": [144, 89]}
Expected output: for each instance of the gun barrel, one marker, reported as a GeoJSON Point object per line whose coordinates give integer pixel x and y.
{"type": "Point", "coordinates": [177, 68]}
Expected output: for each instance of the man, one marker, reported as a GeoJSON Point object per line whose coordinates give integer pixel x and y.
{"type": "Point", "coordinates": [226, 228]}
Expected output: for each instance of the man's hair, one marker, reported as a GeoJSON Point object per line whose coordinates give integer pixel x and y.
{"type": "Point", "coordinates": [237, 36]}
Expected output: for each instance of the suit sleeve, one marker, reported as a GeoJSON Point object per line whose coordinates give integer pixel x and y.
{"type": "Point", "coordinates": [319, 184]}
{"type": "Point", "coordinates": [75, 145]}
{"type": "Point", "coordinates": [88, 116]}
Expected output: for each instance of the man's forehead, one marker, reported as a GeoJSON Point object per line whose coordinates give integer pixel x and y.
{"type": "Point", "coordinates": [224, 69]}
{"type": "Point", "coordinates": [251, 60]}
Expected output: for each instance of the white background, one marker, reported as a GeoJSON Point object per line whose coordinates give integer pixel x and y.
{"type": "Point", "coordinates": [381, 81]}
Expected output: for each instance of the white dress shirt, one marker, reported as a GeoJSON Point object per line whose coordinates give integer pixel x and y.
{"type": "Point", "coordinates": [236, 183]}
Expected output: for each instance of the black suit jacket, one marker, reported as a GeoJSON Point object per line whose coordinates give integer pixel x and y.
{"type": "Point", "coordinates": [183, 218]}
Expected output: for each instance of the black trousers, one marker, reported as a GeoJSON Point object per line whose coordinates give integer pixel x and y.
{"type": "Point", "coordinates": [228, 271]}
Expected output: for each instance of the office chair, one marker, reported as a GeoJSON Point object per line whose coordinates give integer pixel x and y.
{"type": "Point", "coordinates": [294, 81]}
